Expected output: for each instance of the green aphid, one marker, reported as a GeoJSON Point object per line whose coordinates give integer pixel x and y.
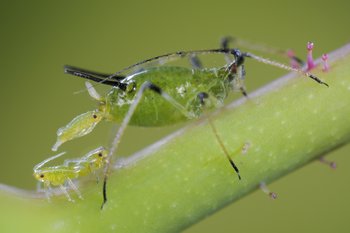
{"type": "Point", "coordinates": [89, 163]}
{"type": "Point", "coordinates": [78, 127]}
{"type": "Point", "coordinates": [62, 176]}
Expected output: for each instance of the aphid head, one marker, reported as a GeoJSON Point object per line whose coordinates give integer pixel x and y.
{"type": "Point", "coordinates": [97, 155]}
{"type": "Point", "coordinates": [40, 176]}
{"type": "Point", "coordinates": [101, 154]}
{"type": "Point", "coordinates": [96, 158]}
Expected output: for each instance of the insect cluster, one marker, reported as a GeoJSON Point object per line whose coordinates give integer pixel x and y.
{"type": "Point", "coordinates": [147, 94]}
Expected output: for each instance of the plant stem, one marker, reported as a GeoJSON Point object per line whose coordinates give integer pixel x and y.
{"type": "Point", "coordinates": [185, 177]}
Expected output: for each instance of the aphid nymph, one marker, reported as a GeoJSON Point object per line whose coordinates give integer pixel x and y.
{"type": "Point", "coordinates": [63, 175]}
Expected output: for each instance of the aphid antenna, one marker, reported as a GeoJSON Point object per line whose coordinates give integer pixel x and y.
{"type": "Point", "coordinates": [101, 148]}
{"type": "Point", "coordinates": [331, 164]}
{"type": "Point", "coordinates": [39, 165]}
{"type": "Point", "coordinates": [225, 41]}
{"type": "Point", "coordinates": [285, 67]}
{"type": "Point", "coordinates": [115, 79]}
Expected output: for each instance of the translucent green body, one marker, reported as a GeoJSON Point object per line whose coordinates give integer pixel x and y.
{"type": "Point", "coordinates": [182, 84]}
{"type": "Point", "coordinates": [89, 163]}
{"type": "Point", "coordinates": [62, 175]}
{"type": "Point", "coordinates": [56, 175]}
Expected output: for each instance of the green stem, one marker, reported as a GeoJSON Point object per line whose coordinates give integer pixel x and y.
{"type": "Point", "coordinates": [185, 177]}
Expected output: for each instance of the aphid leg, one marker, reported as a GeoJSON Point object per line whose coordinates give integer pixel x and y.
{"type": "Point", "coordinates": [237, 71]}
{"type": "Point", "coordinates": [64, 191]}
{"type": "Point", "coordinates": [72, 186]}
{"type": "Point", "coordinates": [331, 164]}
{"type": "Point", "coordinates": [145, 86]}
{"type": "Point", "coordinates": [266, 190]}
{"type": "Point", "coordinates": [68, 162]}
{"type": "Point", "coordinates": [295, 62]}
{"type": "Point", "coordinates": [46, 190]}
{"type": "Point", "coordinates": [195, 62]}
{"type": "Point", "coordinates": [97, 177]}
{"type": "Point", "coordinates": [92, 91]}
{"type": "Point", "coordinates": [202, 96]}
{"type": "Point", "coordinates": [245, 148]}
{"type": "Point", "coordinates": [223, 148]}
{"type": "Point", "coordinates": [224, 44]}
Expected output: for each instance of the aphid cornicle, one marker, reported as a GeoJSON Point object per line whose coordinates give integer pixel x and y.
{"type": "Point", "coordinates": [162, 95]}
{"type": "Point", "coordinates": [62, 175]}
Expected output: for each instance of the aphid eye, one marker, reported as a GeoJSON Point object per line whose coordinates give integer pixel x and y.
{"type": "Point", "coordinates": [100, 154]}
{"type": "Point", "coordinates": [130, 87]}
{"type": "Point", "coordinates": [94, 116]}
{"type": "Point", "coordinates": [41, 175]}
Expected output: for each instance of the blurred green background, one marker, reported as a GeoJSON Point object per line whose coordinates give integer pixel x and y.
{"type": "Point", "coordinates": [39, 37]}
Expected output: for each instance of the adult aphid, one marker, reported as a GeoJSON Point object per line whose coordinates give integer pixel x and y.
{"type": "Point", "coordinates": [163, 95]}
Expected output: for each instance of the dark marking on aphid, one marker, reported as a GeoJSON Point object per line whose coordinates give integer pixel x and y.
{"type": "Point", "coordinates": [235, 168]}
{"type": "Point", "coordinates": [180, 53]}
{"type": "Point", "coordinates": [317, 80]}
{"type": "Point", "coordinates": [201, 96]}
{"type": "Point", "coordinates": [225, 41]}
{"type": "Point", "coordinates": [104, 191]}
{"type": "Point", "coordinates": [298, 60]}
{"type": "Point", "coordinates": [195, 62]}
{"type": "Point", "coordinates": [155, 88]}
{"type": "Point", "coordinates": [218, 139]}
{"type": "Point", "coordinates": [244, 92]}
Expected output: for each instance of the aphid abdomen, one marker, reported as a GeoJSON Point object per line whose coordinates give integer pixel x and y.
{"type": "Point", "coordinates": [59, 175]}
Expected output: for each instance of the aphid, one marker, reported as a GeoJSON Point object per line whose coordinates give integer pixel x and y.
{"type": "Point", "coordinates": [62, 175]}
{"type": "Point", "coordinates": [89, 163]}
{"type": "Point", "coordinates": [163, 95]}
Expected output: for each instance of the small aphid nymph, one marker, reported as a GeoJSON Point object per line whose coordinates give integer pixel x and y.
{"type": "Point", "coordinates": [62, 176]}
